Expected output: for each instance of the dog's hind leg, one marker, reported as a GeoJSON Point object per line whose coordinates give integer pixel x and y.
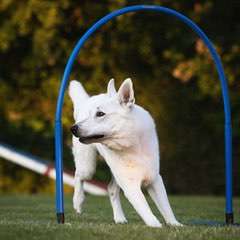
{"type": "Point", "coordinates": [158, 194]}
{"type": "Point", "coordinates": [114, 195]}
{"type": "Point", "coordinates": [85, 163]}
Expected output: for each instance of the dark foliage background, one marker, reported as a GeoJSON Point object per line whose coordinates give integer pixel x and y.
{"type": "Point", "coordinates": [173, 75]}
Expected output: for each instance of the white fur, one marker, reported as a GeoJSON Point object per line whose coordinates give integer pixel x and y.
{"type": "Point", "coordinates": [129, 147]}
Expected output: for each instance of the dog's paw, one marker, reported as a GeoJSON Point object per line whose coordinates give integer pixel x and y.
{"type": "Point", "coordinates": [77, 208]}
{"type": "Point", "coordinates": [154, 224]}
{"type": "Point", "coordinates": [175, 224]}
{"type": "Point", "coordinates": [120, 220]}
{"type": "Point", "coordinates": [77, 205]}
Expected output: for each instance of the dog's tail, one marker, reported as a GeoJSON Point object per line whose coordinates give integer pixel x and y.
{"type": "Point", "coordinates": [78, 95]}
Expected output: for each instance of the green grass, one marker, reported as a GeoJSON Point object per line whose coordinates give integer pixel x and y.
{"type": "Point", "coordinates": [33, 217]}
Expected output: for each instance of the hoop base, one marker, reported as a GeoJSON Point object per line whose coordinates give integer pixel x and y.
{"type": "Point", "coordinates": [60, 218]}
{"type": "Point", "coordinates": [229, 218]}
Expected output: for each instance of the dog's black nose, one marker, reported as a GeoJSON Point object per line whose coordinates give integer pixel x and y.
{"type": "Point", "coordinates": [74, 130]}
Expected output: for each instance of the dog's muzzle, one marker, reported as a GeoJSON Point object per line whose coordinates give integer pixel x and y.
{"type": "Point", "coordinates": [85, 139]}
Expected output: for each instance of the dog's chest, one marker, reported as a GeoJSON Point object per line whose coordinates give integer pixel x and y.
{"type": "Point", "coordinates": [133, 171]}
{"type": "Point", "coordinates": [131, 167]}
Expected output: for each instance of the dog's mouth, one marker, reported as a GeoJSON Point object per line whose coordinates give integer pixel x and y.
{"type": "Point", "coordinates": [91, 138]}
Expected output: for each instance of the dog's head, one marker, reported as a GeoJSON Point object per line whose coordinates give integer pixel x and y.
{"type": "Point", "coordinates": [107, 118]}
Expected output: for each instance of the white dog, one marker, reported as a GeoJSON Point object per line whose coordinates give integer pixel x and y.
{"type": "Point", "coordinates": [125, 136]}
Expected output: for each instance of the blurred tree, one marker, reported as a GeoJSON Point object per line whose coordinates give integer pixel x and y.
{"type": "Point", "coordinates": [173, 74]}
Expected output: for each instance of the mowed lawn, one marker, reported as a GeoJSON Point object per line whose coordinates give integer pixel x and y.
{"type": "Point", "coordinates": [33, 217]}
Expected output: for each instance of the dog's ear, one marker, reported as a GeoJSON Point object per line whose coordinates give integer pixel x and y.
{"type": "Point", "coordinates": [111, 91]}
{"type": "Point", "coordinates": [78, 95]}
{"type": "Point", "coordinates": [126, 93]}
{"type": "Point", "coordinates": [76, 92]}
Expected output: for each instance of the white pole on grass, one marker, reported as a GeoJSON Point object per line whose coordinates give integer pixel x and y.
{"type": "Point", "coordinates": [47, 169]}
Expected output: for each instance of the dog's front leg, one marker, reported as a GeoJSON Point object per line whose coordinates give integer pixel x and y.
{"type": "Point", "coordinates": [158, 194]}
{"type": "Point", "coordinates": [135, 196]}
{"type": "Point", "coordinates": [78, 196]}
{"type": "Point", "coordinates": [114, 195]}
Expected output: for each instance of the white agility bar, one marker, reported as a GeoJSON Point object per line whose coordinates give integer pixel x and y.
{"type": "Point", "coordinates": [44, 168]}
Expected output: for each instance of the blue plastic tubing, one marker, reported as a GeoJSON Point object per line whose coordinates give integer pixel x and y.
{"type": "Point", "coordinates": [67, 71]}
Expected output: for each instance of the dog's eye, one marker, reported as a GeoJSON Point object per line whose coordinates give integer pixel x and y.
{"type": "Point", "coordinates": [100, 114]}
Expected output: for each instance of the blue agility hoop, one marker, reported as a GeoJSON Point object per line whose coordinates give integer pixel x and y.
{"type": "Point", "coordinates": [67, 71]}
